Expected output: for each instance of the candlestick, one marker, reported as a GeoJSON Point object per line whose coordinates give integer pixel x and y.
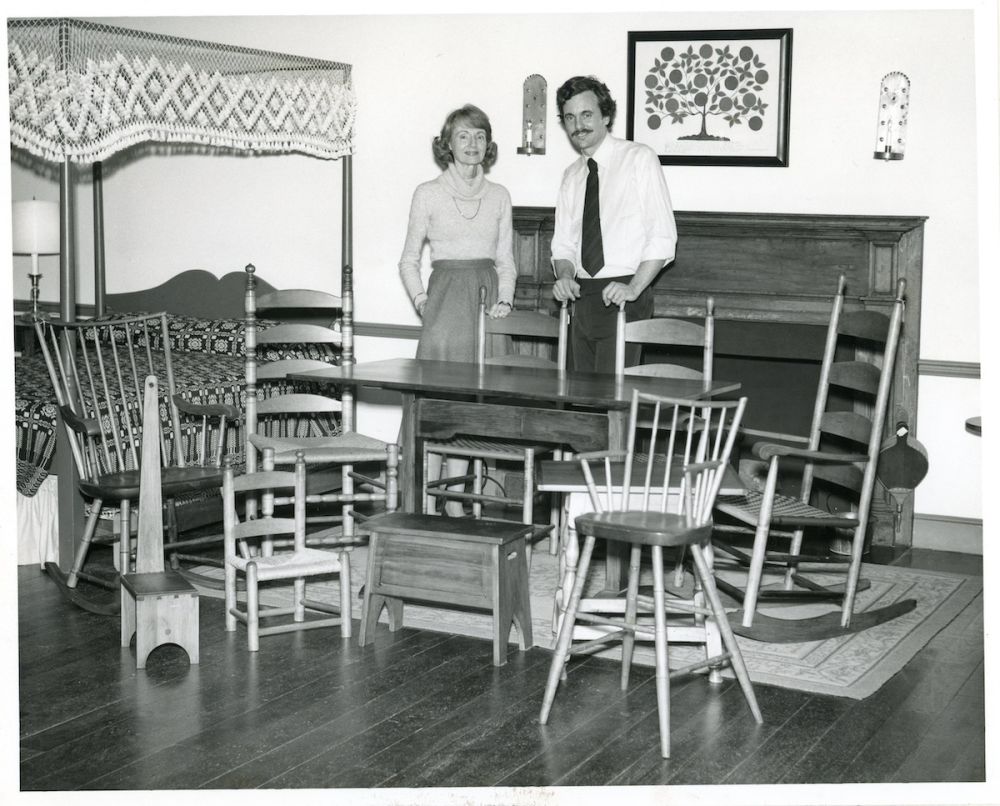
{"type": "Point", "coordinates": [34, 276]}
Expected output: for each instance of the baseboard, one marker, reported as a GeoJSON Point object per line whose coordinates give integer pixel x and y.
{"type": "Point", "coordinates": [944, 533]}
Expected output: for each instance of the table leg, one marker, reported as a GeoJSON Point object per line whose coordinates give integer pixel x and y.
{"type": "Point", "coordinates": [410, 466]}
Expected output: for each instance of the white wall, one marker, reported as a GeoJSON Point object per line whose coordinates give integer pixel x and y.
{"type": "Point", "coordinates": [167, 213]}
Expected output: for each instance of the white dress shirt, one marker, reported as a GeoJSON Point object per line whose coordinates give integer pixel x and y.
{"type": "Point", "coordinates": [637, 219]}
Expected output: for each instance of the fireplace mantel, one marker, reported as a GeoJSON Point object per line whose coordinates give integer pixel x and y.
{"type": "Point", "coordinates": [779, 270]}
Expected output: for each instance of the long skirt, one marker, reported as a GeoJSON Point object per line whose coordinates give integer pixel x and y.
{"type": "Point", "coordinates": [449, 320]}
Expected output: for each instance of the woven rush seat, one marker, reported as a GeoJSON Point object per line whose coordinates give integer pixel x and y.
{"type": "Point", "coordinates": [483, 446]}
{"type": "Point", "coordinates": [306, 562]}
{"type": "Point", "coordinates": [790, 510]}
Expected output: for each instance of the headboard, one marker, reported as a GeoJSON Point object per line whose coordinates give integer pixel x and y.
{"type": "Point", "coordinates": [195, 292]}
{"type": "Point", "coordinates": [773, 276]}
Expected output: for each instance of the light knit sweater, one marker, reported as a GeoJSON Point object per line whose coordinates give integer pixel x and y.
{"type": "Point", "coordinates": [462, 221]}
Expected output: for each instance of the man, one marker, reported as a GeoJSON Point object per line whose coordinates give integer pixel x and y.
{"type": "Point", "coordinates": [614, 226]}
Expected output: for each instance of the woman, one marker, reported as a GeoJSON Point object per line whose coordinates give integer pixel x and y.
{"type": "Point", "coordinates": [468, 223]}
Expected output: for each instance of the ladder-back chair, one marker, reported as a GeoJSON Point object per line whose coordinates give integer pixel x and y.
{"type": "Point", "coordinates": [838, 458]}
{"type": "Point", "coordinates": [289, 416]}
{"type": "Point", "coordinates": [540, 329]}
{"type": "Point", "coordinates": [294, 564]}
{"type": "Point", "coordinates": [98, 369]}
{"type": "Point", "coordinates": [660, 498]}
{"type": "Point", "coordinates": [664, 332]}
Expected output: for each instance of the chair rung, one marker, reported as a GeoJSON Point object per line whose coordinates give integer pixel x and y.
{"type": "Point", "coordinates": [367, 480]}
{"type": "Point", "coordinates": [595, 644]}
{"type": "Point", "coordinates": [797, 594]}
{"type": "Point", "coordinates": [296, 626]}
{"type": "Point", "coordinates": [593, 618]}
{"type": "Point", "coordinates": [717, 660]}
{"type": "Point", "coordinates": [779, 558]}
{"type": "Point", "coordinates": [455, 495]}
{"type": "Point", "coordinates": [445, 482]}
{"type": "Point", "coordinates": [322, 607]}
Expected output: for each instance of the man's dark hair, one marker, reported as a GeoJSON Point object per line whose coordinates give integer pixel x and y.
{"type": "Point", "coordinates": [578, 84]}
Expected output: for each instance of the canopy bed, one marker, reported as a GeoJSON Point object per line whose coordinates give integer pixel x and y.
{"type": "Point", "coordinates": [81, 92]}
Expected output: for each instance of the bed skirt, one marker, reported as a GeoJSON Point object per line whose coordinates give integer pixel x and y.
{"type": "Point", "coordinates": [38, 524]}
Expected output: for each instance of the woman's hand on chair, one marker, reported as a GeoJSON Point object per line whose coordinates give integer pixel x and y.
{"type": "Point", "coordinates": [500, 310]}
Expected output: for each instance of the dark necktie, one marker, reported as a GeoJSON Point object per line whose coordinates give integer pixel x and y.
{"type": "Point", "coordinates": [592, 248]}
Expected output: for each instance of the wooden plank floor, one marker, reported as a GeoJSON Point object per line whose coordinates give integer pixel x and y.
{"type": "Point", "coordinates": [424, 709]}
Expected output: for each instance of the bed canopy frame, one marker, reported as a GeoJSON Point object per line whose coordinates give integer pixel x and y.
{"type": "Point", "coordinates": [81, 92]}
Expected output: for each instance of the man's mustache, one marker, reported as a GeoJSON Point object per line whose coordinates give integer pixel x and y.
{"type": "Point", "coordinates": [578, 132]}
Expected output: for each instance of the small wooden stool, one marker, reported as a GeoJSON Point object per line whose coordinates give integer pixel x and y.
{"type": "Point", "coordinates": [159, 608]}
{"type": "Point", "coordinates": [458, 561]}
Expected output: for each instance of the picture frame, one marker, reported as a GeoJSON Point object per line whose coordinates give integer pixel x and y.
{"type": "Point", "coordinates": [711, 97]}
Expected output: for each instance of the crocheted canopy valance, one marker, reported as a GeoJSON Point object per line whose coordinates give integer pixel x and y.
{"type": "Point", "coordinates": [84, 91]}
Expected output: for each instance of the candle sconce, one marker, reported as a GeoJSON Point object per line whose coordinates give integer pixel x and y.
{"type": "Point", "coordinates": [893, 111]}
{"type": "Point", "coordinates": [533, 122]}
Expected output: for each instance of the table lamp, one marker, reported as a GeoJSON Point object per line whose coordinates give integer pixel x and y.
{"type": "Point", "coordinates": [35, 232]}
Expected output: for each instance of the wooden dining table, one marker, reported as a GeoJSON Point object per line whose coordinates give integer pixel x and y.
{"type": "Point", "coordinates": [585, 411]}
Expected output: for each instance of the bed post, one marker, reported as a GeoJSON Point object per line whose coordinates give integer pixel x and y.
{"type": "Point", "coordinates": [100, 285]}
{"type": "Point", "coordinates": [346, 279]}
{"type": "Point", "coordinates": [67, 258]}
{"type": "Point", "coordinates": [347, 292]}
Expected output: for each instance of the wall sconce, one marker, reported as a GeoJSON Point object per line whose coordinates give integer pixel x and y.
{"type": "Point", "coordinates": [533, 122]}
{"type": "Point", "coordinates": [893, 110]}
{"type": "Point", "coordinates": [35, 232]}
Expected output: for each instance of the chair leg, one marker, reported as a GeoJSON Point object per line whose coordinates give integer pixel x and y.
{"type": "Point", "coordinates": [346, 627]}
{"type": "Point", "coordinates": [756, 571]}
{"type": "Point", "coordinates": [556, 512]}
{"type": "Point", "coordinates": [568, 558]}
{"type": "Point", "coordinates": [88, 535]}
{"type": "Point", "coordinates": [230, 587]}
{"type": "Point", "coordinates": [528, 508]}
{"type": "Point", "coordinates": [528, 498]}
{"type": "Point", "coordinates": [679, 567]}
{"type": "Point", "coordinates": [631, 607]}
{"type": "Point", "coordinates": [662, 660]}
{"type": "Point", "coordinates": [478, 472]}
{"type": "Point", "coordinates": [428, 501]}
{"type": "Point", "coordinates": [125, 537]}
{"type": "Point", "coordinates": [346, 511]}
{"type": "Point", "coordinates": [703, 570]}
{"type": "Point", "coordinates": [253, 609]}
{"type": "Point", "coordinates": [794, 547]}
{"type": "Point", "coordinates": [566, 631]}
{"type": "Point", "coordinates": [299, 599]}
{"type": "Point", "coordinates": [392, 477]}
{"type": "Point", "coordinates": [853, 575]}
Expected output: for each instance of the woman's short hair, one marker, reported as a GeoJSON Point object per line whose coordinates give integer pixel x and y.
{"type": "Point", "coordinates": [474, 118]}
{"type": "Point", "coordinates": [578, 84]}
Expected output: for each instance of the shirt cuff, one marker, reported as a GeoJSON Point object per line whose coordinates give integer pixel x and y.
{"type": "Point", "coordinates": [421, 297]}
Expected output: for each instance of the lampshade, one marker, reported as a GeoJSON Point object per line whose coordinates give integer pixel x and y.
{"type": "Point", "coordinates": [36, 228]}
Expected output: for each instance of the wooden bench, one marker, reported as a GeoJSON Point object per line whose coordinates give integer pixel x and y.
{"type": "Point", "coordinates": [451, 561]}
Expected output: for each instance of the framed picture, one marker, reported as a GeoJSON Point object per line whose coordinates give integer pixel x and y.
{"type": "Point", "coordinates": [711, 97]}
